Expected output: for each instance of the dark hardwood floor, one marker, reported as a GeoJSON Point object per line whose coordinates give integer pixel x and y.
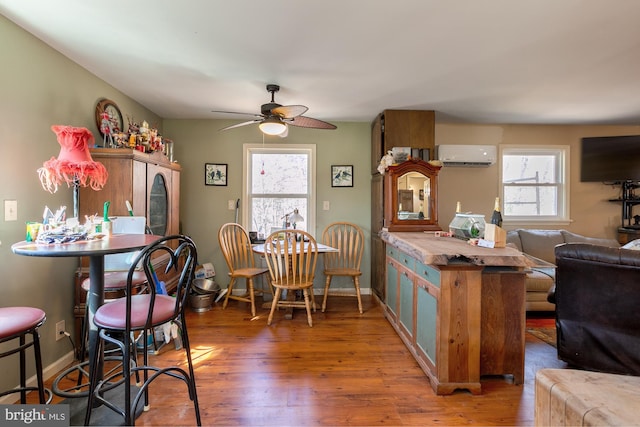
{"type": "Point", "coordinates": [349, 369]}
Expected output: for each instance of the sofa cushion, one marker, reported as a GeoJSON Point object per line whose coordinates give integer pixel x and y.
{"type": "Point", "coordinates": [570, 237]}
{"type": "Point", "coordinates": [513, 238]}
{"type": "Point", "coordinates": [541, 243]}
{"type": "Point", "coordinates": [633, 245]}
{"type": "Point", "coordinates": [539, 281]}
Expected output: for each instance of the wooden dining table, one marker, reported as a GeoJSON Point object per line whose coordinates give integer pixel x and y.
{"type": "Point", "coordinates": [95, 249]}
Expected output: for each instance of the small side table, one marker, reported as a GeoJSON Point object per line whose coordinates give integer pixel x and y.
{"type": "Point", "coordinates": [625, 235]}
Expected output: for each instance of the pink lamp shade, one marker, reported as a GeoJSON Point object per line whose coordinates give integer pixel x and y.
{"type": "Point", "coordinates": [74, 163]}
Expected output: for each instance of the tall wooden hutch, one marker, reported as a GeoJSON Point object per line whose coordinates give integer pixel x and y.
{"type": "Point", "coordinates": [150, 182]}
{"type": "Point", "coordinates": [395, 128]}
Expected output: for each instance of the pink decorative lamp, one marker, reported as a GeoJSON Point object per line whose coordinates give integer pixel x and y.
{"type": "Point", "coordinates": [74, 164]}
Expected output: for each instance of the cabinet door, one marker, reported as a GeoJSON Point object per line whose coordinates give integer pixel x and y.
{"type": "Point", "coordinates": [426, 322]}
{"type": "Point", "coordinates": [174, 220]}
{"type": "Point", "coordinates": [391, 291]}
{"type": "Point", "coordinates": [377, 150]}
{"type": "Point", "coordinates": [409, 128]}
{"type": "Point", "coordinates": [377, 203]}
{"type": "Point", "coordinates": [378, 266]}
{"type": "Point", "coordinates": [406, 303]}
{"type": "Point", "coordinates": [158, 202]}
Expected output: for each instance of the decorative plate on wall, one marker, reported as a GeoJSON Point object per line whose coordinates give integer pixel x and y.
{"type": "Point", "coordinates": [114, 116]}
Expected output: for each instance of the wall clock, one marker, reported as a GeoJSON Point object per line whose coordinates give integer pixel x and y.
{"type": "Point", "coordinates": [115, 116]}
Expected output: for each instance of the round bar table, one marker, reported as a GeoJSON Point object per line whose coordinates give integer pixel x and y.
{"type": "Point", "coordinates": [95, 250]}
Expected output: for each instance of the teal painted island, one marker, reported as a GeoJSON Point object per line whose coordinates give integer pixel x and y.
{"type": "Point", "coordinates": [459, 308]}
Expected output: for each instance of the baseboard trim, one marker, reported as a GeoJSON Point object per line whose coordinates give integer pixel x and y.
{"type": "Point", "coordinates": [48, 372]}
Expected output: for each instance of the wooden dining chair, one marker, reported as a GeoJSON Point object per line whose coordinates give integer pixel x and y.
{"type": "Point", "coordinates": [291, 257]}
{"type": "Point", "coordinates": [348, 238]}
{"type": "Point", "coordinates": [236, 248]}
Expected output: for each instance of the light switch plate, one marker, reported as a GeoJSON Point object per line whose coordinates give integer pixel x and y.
{"type": "Point", "coordinates": [325, 205]}
{"type": "Point", "coordinates": [10, 210]}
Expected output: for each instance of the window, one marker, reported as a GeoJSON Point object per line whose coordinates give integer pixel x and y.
{"type": "Point", "coordinates": [535, 186]}
{"type": "Point", "coordinates": [278, 179]}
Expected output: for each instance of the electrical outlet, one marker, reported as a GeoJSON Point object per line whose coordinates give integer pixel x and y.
{"type": "Point", "coordinates": [60, 330]}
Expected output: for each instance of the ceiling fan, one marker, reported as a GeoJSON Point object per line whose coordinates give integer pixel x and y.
{"type": "Point", "coordinates": [274, 118]}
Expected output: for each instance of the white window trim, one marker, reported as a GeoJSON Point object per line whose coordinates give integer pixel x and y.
{"type": "Point", "coordinates": [563, 151]}
{"type": "Point", "coordinates": [247, 149]}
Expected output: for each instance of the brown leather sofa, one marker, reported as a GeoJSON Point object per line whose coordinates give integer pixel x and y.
{"type": "Point", "coordinates": [538, 246]}
{"type": "Point", "coordinates": [597, 297]}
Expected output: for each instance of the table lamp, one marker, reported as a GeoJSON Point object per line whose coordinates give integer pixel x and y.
{"type": "Point", "coordinates": [74, 164]}
{"type": "Point", "coordinates": [295, 218]}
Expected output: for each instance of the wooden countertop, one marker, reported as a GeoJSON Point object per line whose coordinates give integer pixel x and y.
{"type": "Point", "coordinates": [432, 250]}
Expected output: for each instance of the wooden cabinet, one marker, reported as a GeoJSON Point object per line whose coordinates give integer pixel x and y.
{"type": "Point", "coordinates": [401, 128]}
{"type": "Point", "coordinates": [151, 183]}
{"type": "Point", "coordinates": [626, 235]}
{"type": "Point", "coordinates": [430, 311]}
{"type": "Point", "coordinates": [392, 128]}
{"type": "Point", "coordinates": [148, 181]}
{"type": "Point", "coordinates": [459, 321]}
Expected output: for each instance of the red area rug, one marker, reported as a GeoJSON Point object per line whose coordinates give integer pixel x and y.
{"type": "Point", "coordinates": [543, 329]}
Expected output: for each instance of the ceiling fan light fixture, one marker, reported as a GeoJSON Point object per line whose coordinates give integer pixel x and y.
{"type": "Point", "coordinates": [272, 126]}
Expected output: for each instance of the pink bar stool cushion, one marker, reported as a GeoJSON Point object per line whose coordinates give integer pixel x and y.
{"type": "Point", "coordinates": [117, 280]}
{"type": "Point", "coordinates": [113, 315]}
{"type": "Point", "coordinates": [14, 320]}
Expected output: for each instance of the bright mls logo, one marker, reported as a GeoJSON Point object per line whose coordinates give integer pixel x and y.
{"type": "Point", "coordinates": [35, 415]}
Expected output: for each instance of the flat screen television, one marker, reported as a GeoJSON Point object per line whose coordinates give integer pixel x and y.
{"type": "Point", "coordinates": [610, 159]}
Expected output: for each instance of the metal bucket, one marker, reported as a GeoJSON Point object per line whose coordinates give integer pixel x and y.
{"type": "Point", "coordinates": [201, 302]}
{"type": "Point", "coordinates": [205, 286]}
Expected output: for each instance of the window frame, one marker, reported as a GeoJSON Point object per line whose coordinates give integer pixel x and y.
{"type": "Point", "coordinates": [561, 153]}
{"type": "Point", "coordinates": [309, 149]}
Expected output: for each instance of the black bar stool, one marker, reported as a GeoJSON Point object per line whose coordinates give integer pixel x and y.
{"type": "Point", "coordinates": [115, 282]}
{"type": "Point", "coordinates": [17, 323]}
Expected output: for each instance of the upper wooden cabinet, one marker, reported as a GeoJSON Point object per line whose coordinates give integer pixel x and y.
{"type": "Point", "coordinates": [149, 181]}
{"type": "Point", "coordinates": [401, 128]}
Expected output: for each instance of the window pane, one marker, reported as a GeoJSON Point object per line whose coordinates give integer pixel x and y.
{"type": "Point", "coordinates": [268, 212]}
{"type": "Point", "coordinates": [530, 200]}
{"type": "Point", "coordinates": [279, 173]}
{"type": "Point", "coordinates": [529, 168]}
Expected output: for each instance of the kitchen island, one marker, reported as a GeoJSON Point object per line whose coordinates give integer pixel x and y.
{"type": "Point", "coordinates": [459, 308]}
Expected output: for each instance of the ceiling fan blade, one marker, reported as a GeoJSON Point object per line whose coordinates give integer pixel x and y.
{"type": "Point", "coordinates": [250, 122]}
{"type": "Point", "coordinates": [237, 112]}
{"type": "Point", "coordinates": [308, 122]}
{"type": "Point", "coordinates": [289, 111]}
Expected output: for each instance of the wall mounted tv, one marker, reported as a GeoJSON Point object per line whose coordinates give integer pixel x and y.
{"type": "Point", "coordinates": [610, 159]}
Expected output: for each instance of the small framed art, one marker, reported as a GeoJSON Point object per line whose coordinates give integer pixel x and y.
{"type": "Point", "coordinates": [342, 175]}
{"type": "Point", "coordinates": [215, 174]}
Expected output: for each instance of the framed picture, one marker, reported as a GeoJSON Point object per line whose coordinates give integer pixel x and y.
{"type": "Point", "coordinates": [342, 175]}
{"type": "Point", "coordinates": [215, 174]}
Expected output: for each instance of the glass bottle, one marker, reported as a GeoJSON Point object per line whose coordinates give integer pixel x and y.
{"type": "Point", "coordinates": [496, 216]}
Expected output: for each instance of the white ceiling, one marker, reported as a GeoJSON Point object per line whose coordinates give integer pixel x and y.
{"type": "Point", "coordinates": [477, 61]}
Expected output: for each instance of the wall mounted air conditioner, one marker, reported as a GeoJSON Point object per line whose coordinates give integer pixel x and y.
{"type": "Point", "coordinates": [467, 155]}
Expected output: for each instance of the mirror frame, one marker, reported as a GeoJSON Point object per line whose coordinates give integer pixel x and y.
{"type": "Point", "coordinates": [392, 222]}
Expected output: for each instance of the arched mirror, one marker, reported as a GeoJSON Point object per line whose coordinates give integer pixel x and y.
{"type": "Point", "coordinates": [411, 197]}
{"type": "Point", "coordinates": [158, 206]}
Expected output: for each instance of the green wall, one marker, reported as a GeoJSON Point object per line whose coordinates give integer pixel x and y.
{"type": "Point", "coordinates": [203, 209]}
{"type": "Point", "coordinates": [39, 88]}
